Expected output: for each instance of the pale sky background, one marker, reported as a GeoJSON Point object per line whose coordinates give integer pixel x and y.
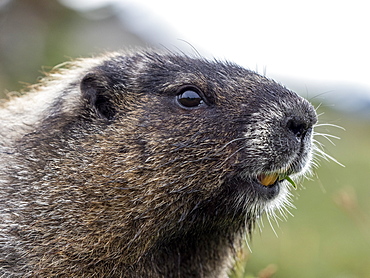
{"type": "Point", "coordinates": [317, 40]}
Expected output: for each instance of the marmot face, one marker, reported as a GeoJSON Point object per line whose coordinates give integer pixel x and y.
{"type": "Point", "coordinates": [220, 134]}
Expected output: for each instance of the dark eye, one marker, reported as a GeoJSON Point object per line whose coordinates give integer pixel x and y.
{"type": "Point", "coordinates": [190, 98]}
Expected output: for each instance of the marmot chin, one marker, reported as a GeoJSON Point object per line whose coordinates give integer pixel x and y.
{"type": "Point", "coordinates": [144, 165]}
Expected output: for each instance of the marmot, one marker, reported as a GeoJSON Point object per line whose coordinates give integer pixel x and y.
{"type": "Point", "coordinates": [144, 164]}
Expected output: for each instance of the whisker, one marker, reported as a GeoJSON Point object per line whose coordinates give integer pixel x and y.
{"type": "Point", "coordinates": [327, 137]}
{"type": "Point", "coordinates": [246, 240]}
{"type": "Point", "coordinates": [232, 141]}
{"type": "Point", "coordinates": [327, 157]}
{"type": "Point", "coordinates": [237, 151]}
{"type": "Point", "coordinates": [318, 106]}
{"type": "Point", "coordinates": [277, 218]}
{"type": "Point", "coordinates": [315, 164]}
{"type": "Point", "coordinates": [319, 115]}
{"type": "Point", "coordinates": [260, 224]}
{"type": "Point", "coordinates": [318, 143]}
{"type": "Point", "coordinates": [269, 215]}
{"type": "Point", "coordinates": [331, 125]}
{"type": "Point", "coordinates": [319, 147]}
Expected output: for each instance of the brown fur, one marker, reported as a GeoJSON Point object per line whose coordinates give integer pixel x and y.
{"type": "Point", "coordinates": [105, 174]}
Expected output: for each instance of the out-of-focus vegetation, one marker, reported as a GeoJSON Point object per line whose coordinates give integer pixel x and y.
{"type": "Point", "coordinates": [36, 35]}
{"type": "Point", "coordinates": [329, 235]}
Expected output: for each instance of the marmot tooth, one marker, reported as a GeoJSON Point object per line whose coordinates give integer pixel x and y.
{"type": "Point", "coordinates": [268, 179]}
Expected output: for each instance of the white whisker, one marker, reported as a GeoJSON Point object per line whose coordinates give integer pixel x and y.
{"type": "Point", "coordinates": [232, 141]}
{"type": "Point", "coordinates": [318, 144]}
{"type": "Point", "coordinates": [318, 106]}
{"type": "Point", "coordinates": [331, 125]}
{"type": "Point", "coordinates": [328, 157]}
{"type": "Point", "coordinates": [272, 226]}
{"type": "Point", "coordinates": [319, 115]}
{"type": "Point", "coordinates": [327, 137]}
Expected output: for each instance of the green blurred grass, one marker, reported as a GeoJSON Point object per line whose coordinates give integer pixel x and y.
{"type": "Point", "coordinates": [329, 235]}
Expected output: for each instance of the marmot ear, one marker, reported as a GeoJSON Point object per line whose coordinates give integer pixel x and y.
{"type": "Point", "coordinates": [96, 89]}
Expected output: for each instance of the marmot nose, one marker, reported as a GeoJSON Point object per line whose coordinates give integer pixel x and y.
{"type": "Point", "coordinates": [298, 126]}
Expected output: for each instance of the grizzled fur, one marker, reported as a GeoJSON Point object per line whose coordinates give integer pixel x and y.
{"type": "Point", "coordinates": [106, 173]}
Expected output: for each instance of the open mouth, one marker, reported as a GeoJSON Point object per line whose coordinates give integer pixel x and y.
{"type": "Point", "coordinates": [271, 179]}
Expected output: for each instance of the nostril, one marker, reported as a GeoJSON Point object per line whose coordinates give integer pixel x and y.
{"type": "Point", "coordinates": [297, 127]}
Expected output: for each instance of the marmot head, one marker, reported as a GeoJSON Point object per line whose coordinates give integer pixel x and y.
{"type": "Point", "coordinates": [144, 148]}
{"type": "Point", "coordinates": [196, 138]}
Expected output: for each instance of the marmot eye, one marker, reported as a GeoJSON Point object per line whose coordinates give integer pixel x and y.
{"type": "Point", "coordinates": [190, 98]}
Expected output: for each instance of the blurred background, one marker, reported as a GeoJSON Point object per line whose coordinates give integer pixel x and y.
{"type": "Point", "coordinates": [320, 49]}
